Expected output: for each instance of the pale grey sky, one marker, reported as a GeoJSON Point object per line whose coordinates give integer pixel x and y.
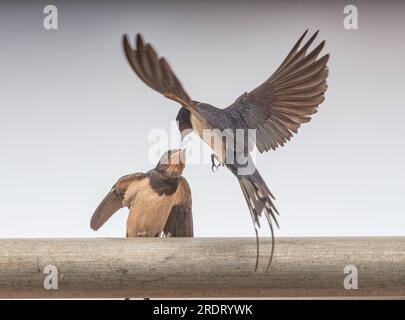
{"type": "Point", "coordinates": [74, 117]}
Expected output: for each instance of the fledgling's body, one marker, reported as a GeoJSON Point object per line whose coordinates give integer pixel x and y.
{"type": "Point", "coordinates": [159, 200]}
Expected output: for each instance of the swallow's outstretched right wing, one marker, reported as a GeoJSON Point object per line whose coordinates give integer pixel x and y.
{"type": "Point", "coordinates": [155, 71]}
{"type": "Point", "coordinates": [180, 221]}
{"type": "Point", "coordinates": [113, 200]}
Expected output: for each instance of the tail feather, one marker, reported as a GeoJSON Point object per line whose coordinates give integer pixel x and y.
{"type": "Point", "coordinates": [259, 200]}
{"type": "Point", "coordinates": [256, 222]}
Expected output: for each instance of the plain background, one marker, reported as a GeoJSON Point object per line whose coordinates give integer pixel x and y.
{"type": "Point", "coordinates": [74, 117]}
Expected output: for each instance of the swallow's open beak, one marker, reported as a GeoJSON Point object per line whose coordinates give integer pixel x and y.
{"type": "Point", "coordinates": [178, 157]}
{"type": "Point", "coordinates": [182, 156]}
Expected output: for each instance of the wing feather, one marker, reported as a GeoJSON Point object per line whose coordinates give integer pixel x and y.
{"type": "Point", "coordinates": [155, 71]}
{"type": "Point", "coordinates": [110, 204]}
{"type": "Point", "coordinates": [113, 200]}
{"type": "Point", "coordinates": [180, 221]}
{"type": "Point", "coordinates": [279, 106]}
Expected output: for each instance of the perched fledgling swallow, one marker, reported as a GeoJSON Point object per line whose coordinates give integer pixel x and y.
{"type": "Point", "coordinates": [159, 200]}
{"type": "Point", "coordinates": [275, 110]}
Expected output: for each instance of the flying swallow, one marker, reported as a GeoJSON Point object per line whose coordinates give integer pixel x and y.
{"type": "Point", "coordinates": [159, 200]}
{"type": "Point", "coordinates": [275, 110]}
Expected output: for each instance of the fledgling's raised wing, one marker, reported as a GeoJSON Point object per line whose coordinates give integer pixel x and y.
{"type": "Point", "coordinates": [113, 200]}
{"type": "Point", "coordinates": [278, 107]}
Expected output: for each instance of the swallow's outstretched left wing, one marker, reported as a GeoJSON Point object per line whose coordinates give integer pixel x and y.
{"type": "Point", "coordinates": [155, 71]}
{"type": "Point", "coordinates": [180, 221]}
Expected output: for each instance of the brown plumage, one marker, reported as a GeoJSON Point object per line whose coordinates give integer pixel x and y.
{"type": "Point", "coordinates": [275, 109]}
{"type": "Point", "coordinates": [159, 200]}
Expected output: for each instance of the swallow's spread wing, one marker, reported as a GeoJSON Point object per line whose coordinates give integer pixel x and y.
{"type": "Point", "coordinates": [155, 71]}
{"type": "Point", "coordinates": [287, 99]}
{"type": "Point", "coordinates": [180, 221]}
{"type": "Point", "coordinates": [110, 204]}
{"type": "Point", "coordinates": [113, 200]}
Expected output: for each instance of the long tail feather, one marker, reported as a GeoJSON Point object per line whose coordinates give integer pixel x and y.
{"type": "Point", "coordinates": [259, 199]}
{"type": "Point", "coordinates": [255, 224]}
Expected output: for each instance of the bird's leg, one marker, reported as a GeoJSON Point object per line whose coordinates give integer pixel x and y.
{"type": "Point", "coordinates": [141, 234]}
{"type": "Point", "coordinates": [213, 164]}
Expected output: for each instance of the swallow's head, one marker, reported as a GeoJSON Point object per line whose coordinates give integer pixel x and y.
{"type": "Point", "coordinates": [172, 162]}
{"type": "Point", "coordinates": [184, 122]}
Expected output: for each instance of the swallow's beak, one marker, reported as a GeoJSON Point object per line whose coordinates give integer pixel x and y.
{"type": "Point", "coordinates": [177, 162]}
{"type": "Point", "coordinates": [178, 157]}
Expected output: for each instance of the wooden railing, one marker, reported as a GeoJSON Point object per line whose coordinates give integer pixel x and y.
{"type": "Point", "coordinates": [201, 267]}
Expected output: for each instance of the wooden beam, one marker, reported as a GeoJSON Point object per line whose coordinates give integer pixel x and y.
{"type": "Point", "coordinates": [201, 267]}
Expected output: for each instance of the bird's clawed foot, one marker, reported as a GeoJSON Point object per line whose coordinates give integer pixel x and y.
{"type": "Point", "coordinates": [213, 164]}
{"type": "Point", "coordinates": [141, 234]}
